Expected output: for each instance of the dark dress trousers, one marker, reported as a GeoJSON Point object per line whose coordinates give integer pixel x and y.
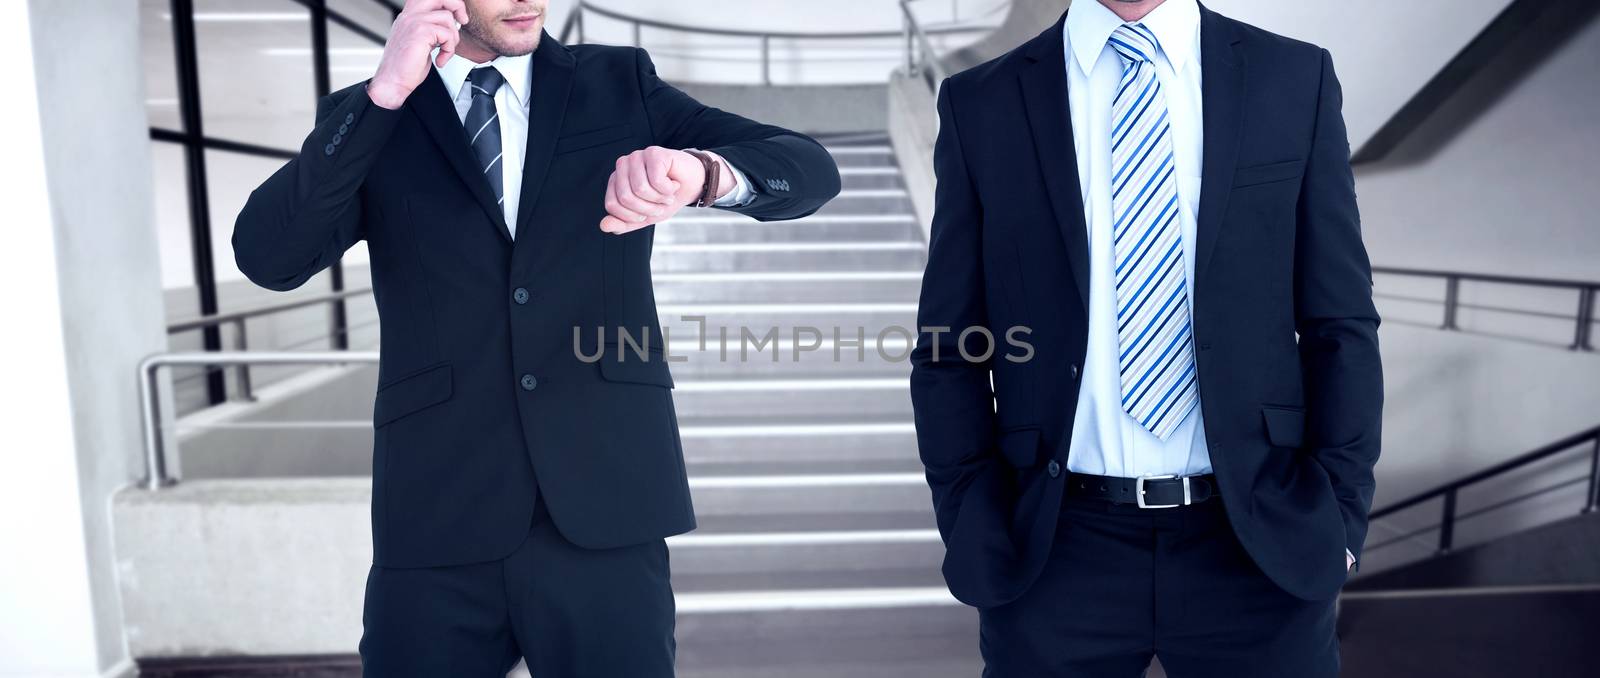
{"type": "Point", "coordinates": [484, 410]}
{"type": "Point", "coordinates": [1285, 331]}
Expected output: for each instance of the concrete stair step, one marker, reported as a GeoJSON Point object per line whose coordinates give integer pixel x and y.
{"type": "Point", "coordinates": [865, 155]}
{"type": "Point", "coordinates": [874, 359]}
{"type": "Point", "coordinates": [846, 255]}
{"type": "Point", "coordinates": [894, 632]}
{"type": "Point", "coordinates": [881, 397]}
{"type": "Point", "coordinates": [821, 441]}
{"type": "Point", "coordinates": [922, 570]}
{"type": "Point", "coordinates": [802, 324]}
{"type": "Point", "coordinates": [882, 225]}
{"type": "Point", "coordinates": [839, 558]}
{"type": "Point", "coordinates": [791, 286]}
{"type": "Point", "coordinates": [854, 179]}
{"type": "Point", "coordinates": [830, 493]}
{"type": "Point", "coordinates": [868, 202]}
{"type": "Point", "coordinates": [814, 522]}
{"type": "Point", "coordinates": [761, 466]}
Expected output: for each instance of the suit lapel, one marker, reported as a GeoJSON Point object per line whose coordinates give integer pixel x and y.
{"type": "Point", "coordinates": [431, 102]}
{"type": "Point", "coordinates": [1222, 90]}
{"type": "Point", "coordinates": [1044, 88]}
{"type": "Point", "coordinates": [552, 66]}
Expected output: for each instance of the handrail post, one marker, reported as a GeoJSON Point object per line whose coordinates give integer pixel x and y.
{"type": "Point", "coordinates": [1447, 523]}
{"type": "Point", "coordinates": [155, 462]}
{"type": "Point", "coordinates": [1581, 339]}
{"type": "Point", "coordinates": [638, 40]}
{"type": "Point", "coordinates": [911, 41]}
{"type": "Point", "coordinates": [1594, 478]}
{"type": "Point", "coordinates": [1452, 294]}
{"type": "Point", "coordinates": [247, 392]}
{"type": "Point", "coordinates": [766, 60]}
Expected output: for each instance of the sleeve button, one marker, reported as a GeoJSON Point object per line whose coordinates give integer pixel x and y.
{"type": "Point", "coordinates": [329, 149]}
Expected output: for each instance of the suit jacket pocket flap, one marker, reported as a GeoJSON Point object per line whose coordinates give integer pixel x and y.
{"type": "Point", "coordinates": [1270, 172]}
{"type": "Point", "coordinates": [1020, 446]}
{"type": "Point", "coordinates": [410, 393]}
{"type": "Point", "coordinates": [1285, 425]}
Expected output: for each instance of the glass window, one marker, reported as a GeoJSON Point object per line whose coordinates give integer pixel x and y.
{"type": "Point", "coordinates": [352, 57]}
{"type": "Point", "coordinates": [160, 65]}
{"type": "Point", "coordinates": [256, 82]}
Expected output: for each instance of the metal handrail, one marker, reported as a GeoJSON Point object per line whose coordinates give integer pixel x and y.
{"type": "Point", "coordinates": [156, 475]}
{"type": "Point", "coordinates": [574, 25]}
{"type": "Point", "coordinates": [1450, 491]}
{"type": "Point", "coordinates": [928, 66]}
{"type": "Point", "coordinates": [241, 340]}
{"type": "Point", "coordinates": [203, 321]}
{"type": "Point", "coordinates": [1588, 290]}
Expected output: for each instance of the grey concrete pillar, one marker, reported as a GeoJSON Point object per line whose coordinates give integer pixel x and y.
{"type": "Point", "coordinates": [81, 277]}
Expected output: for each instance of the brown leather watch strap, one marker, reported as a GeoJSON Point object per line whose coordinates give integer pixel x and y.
{"type": "Point", "coordinates": [708, 192]}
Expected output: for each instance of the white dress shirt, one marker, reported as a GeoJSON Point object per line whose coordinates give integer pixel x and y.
{"type": "Point", "coordinates": [511, 101]}
{"type": "Point", "coordinates": [1105, 439]}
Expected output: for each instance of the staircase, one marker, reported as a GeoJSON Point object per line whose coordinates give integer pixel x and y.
{"type": "Point", "coordinates": [816, 553]}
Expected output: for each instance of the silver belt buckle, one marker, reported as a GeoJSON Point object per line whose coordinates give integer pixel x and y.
{"type": "Point", "coordinates": [1138, 487]}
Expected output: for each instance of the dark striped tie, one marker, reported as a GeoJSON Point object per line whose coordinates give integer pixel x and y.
{"type": "Point", "coordinates": [483, 128]}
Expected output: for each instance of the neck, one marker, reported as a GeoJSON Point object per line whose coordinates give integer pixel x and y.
{"type": "Point", "coordinates": [1131, 10]}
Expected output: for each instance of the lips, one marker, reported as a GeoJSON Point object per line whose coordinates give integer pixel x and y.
{"type": "Point", "coordinates": [522, 21]}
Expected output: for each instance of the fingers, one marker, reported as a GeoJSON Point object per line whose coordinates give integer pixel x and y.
{"type": "Point", "coordinates": [457, 8]}
{"type": "Point", "coordinates": [656, 169]}
{"type": "Point", "coordinates": [447, 47]}
{"type": "Point", "coordinates": [641, 191]}
{"type": "Point", "coordinates": [618, 211]}
{"type": "Point", "coordinates": [633, 188]}
{"type": "Point", "coordinates": [639, 180]}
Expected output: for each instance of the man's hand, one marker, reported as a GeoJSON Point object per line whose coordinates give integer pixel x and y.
{"type": "Point", "coordinates": [650, 185]}
{"type": "Point", "coordinates": [421, 26]}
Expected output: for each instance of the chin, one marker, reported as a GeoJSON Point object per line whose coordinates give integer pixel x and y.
{"type": "Point", "coordinates": [518, 43]}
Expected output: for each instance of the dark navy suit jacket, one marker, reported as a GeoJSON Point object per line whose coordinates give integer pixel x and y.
{"type": "Point", "coordinates": [482, 400]}
{"type": "Point", "coordinates": [1284, 326]}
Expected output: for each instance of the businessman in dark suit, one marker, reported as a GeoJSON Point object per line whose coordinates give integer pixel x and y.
{"type": "Point", "coordinates": [1181, 466]}
{"type": "Point", "coordinates": [506, 186]}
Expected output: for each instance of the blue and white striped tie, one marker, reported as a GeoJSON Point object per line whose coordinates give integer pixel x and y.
{"type": "Point", "coordinates": [1154, 338]}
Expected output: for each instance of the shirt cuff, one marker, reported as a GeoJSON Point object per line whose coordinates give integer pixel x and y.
{"type": "Point", "coordinates": [1350, 559]}
{"type": "Point", "coordinates": [741, 194]}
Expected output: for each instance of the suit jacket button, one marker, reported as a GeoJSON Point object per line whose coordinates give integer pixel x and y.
{"type": "Point", "coordinates": [329, 149]}
{"type": "Point", "coordinates": [1054, 468]}
{"type": "Point", "coordinates": [520, 295]}
{"type": "Point", "coordinates": [338, 139]}
{"type": "Point", "coordinates": [349, 118]}
{"type": "Point", "coordinates": [1073, 371]}
{"type": "Point", "coordinates": [344, 129]}
{"type": "Point", "coordinates": [529, 382]}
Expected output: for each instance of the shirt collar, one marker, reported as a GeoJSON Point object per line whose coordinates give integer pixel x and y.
{"type": "Point", "coordinates": [1089, 25]}
{"type": "Point", "coordinates": [517, 71]}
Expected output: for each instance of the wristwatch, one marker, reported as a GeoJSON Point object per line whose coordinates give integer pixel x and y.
{"type": "Point", "coordinates": [708, 192]}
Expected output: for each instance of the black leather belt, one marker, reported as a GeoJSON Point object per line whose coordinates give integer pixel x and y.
{"type": "Point", "coordinates": [1147, 492]}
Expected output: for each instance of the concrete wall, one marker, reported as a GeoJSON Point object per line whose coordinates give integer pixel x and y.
{"type": "Point", "coordinates": [83, 263]}
{"type": "Point", "coordinates": [1458, 403]}
{"type": "Point", "coordinates": [1384, 51]}
{"type": "Point", "coordinates": [1501, 179]}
